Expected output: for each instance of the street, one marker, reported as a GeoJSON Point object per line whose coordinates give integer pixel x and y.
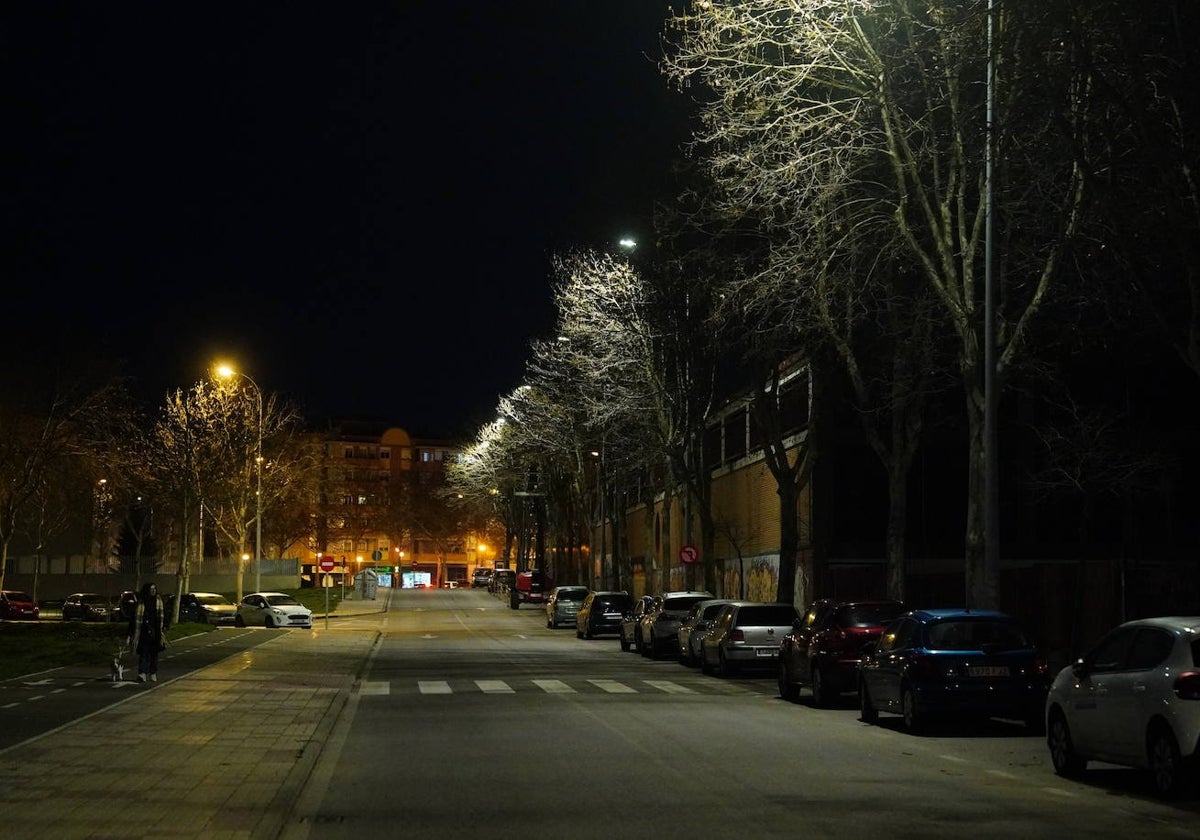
{"type": "Point", "coordinates": [443, 713]}
{"type": "Point", "coordinates": [474, 720]}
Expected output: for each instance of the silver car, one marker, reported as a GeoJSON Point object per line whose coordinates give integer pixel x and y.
{"type": "Point", "coordinates": [563, 605]}
{"type": "Point", "coordinates": [693, 626]}
{"type": "Point", "coordinates": [746, 635]}
{"type": "Point", "coordinates": [272, 609]}
{"type": "Point", "coordinates": [660, 623]}
{"type": "Point", "coordinates": [1133, 700]}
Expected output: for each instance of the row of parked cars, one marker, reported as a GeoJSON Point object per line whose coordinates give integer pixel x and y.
{"type": "Point", "coordinates": [1132, 700]}
{"type": "Point", "coordinates": [265, 609]}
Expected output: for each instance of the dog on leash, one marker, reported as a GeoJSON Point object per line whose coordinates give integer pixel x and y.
{"type": "Point", "coordinates": [118, 669]}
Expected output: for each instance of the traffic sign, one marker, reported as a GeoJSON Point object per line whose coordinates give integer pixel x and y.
{"type": "Point", "coordinates": [377, 555]}
{"type": "Point", "coordinates": [689, 554]}
{"type": "Point", "coordinates": [327, 564]}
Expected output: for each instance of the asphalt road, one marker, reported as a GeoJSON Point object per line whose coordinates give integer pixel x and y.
{"type": "Point", "coordinates": [472, 720]}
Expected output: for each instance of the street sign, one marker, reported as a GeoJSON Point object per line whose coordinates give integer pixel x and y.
{"type": "Point", "coordinates": [377, 555]}
{"type": "Point", "coordinates": [327, 564]}
{"type": "Point", "coordinates": [689, 554]}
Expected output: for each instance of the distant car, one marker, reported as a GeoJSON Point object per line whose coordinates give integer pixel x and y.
{"type": "Point", "coordinates": [480, 578]}
{"type": "Point", "coordinates": [745, 636]}
{"type": "Point", "coordinates": [1134, 700]}
{"type": "Point", "coordinates": [631, 623]}
{"type": "Point", "coordinates": [660, 624]}
{"type": "Point", "coordinates": [824, 649]}
{"type": "Point", "coordinates": [600, 613]}
{"type": "Point", "coordinates": [272, 609]}
{"type": "Point", "coordinates": [16, 605]}
{"type": "Point", "coordinates": [86, 606]}
{"type": "Point", "coordinates": [932, 665]}
{"type": "Point", "coordinates": [207, 608]}
{"type": "Point", "coordinates": [563, 605]}
{"type": "Point", "coordinates": [503, 580]}
{"type": "Point", "coordinates": [692, 627]}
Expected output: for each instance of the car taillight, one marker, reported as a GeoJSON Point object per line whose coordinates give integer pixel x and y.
{"type": "Point", "coordinates": [923, 665]}
{"type": "Point", "coordinates": [1040, 666]}
{"type": "Point", "coordinates": [1187, 685]}
{"type": "Point", "coordinates": [737, 635]}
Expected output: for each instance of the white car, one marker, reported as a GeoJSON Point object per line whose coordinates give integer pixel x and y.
{"type": "Point", "coordinates": [1133, 700]}
{"type": "Point", "coordinates": [272, 609]}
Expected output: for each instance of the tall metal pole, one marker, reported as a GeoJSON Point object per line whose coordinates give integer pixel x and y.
{"type": "Point", "coordinates": [258, 459]}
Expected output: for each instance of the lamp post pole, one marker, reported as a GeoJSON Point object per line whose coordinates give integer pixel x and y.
{"type": "Point", "coordinates": [226, 371]}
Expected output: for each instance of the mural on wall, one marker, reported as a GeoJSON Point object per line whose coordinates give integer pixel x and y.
{"type": "Point", "coordinates": [762, 576]}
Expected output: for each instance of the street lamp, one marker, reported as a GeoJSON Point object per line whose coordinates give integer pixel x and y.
{"type": "Point", "coordinates": [226, 372]}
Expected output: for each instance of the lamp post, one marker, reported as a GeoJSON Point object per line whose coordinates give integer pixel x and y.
{"type": "Point", "coordinates": [225, 371]}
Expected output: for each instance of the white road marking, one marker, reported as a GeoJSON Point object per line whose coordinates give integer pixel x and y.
{"type": "Point", "coordinates": [376, 687]}
{"type": "Point", "coordinates": [494, 687]}
{"type": "Point", "coordinates": [434, 687]}
{"type": "Point", "coordinates": [669, 687]}
{"type": "Point", "coordinates": [613, 687]}
{"type": "Point", "coordinates": [554, 686]}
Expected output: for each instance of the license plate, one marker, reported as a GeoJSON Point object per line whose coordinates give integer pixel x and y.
{"type": "Point", "coordinates": [766, 652]}
{"type": "Point", "coordinates": [988, 671]}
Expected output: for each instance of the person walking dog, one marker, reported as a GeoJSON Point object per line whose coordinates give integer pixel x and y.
{"type": "Point", "coordinates": [146, 636]}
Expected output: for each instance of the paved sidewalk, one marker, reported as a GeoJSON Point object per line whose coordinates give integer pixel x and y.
{"type": "Point", "coordinates": [218, 754]}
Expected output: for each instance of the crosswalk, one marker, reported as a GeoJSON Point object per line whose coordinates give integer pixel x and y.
{"type": "Point", "coordinates": [546, 685]}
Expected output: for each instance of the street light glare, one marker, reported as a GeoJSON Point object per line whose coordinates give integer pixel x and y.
{"type": "Point", "coordinates": [628, 243]}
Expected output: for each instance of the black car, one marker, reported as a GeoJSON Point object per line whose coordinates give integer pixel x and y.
{"type": "Point", "coordinates": [932, 665]}
{"type": "Point", "coordinates": [825, 647]}
{"type": "Point", "coordinates": [600, 614]}
{"type": "Point", "coordinates": [87, 606]}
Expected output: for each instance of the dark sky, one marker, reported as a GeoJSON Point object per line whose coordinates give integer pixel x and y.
{"type": "Point", "coordinates": [356, 203]}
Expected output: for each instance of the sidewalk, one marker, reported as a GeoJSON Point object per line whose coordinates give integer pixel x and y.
{"type": "Point", "coordinates": [219, 754]}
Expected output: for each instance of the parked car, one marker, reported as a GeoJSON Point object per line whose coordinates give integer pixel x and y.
{"type": "Point", "coordinates": [631, 623]}
{"type": "Point", "coordinates": [272, 609]}
{"type": "Point", "coordinates": [1134, 700]}
{"type": "Point", "coordinates": [16, 605]}
{"type": "Point", "coordinates": [86, 606]}
{"type": "Point", "coordinates": [503, 580]}
{"type": "Point", "coordinates": [207, 608]}
{"type": "Point", "coordinates": [824, 649]}
{"type": "Point", "coordinates": [601, 612]}
{"type": "Point", "coordinates": [563, 605]}
{"type": "Point", "coordinates": [745, 635]}
{"type": "Point", "coordinates": [660, 623]}
{"type": "Point", "coordinates": [932, 665]}
{"type": "Point", "coordinates": [480, 578]}
{"type": "Point", "coordinates": [692, 626]}
{"type": "Point", "coordinates": [125, 606]}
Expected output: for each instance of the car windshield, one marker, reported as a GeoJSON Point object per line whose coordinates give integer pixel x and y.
{"type": "Point", "coordinates": [94, 599]}
{"type": "Point", "coordinates": [614, 603]}
{"type": "Point", "coordinates": [282, 601]}
{"type": "Point", "coordinates": [211, 600]}
{"type": "Point", "coordinates": [712, 609]}
{"type": "Point", "coordinates": [572, 594]}
{"type": "Point", "coordinates": [975, 635]}
{"type": "Point", "coordinates": [18, 596]}
{"type": "Point", "coordinates": [765, 616]}
{"type": "Point", "coordinates": [867, 615]}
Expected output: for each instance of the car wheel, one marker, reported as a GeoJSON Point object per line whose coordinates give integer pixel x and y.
{"type": "Point", "coordinates": [913, 720]}
{"type": "Point", "coordinates": [1165, 768]}
{"type": "Point", "coordinates": [238, 621]}
{"type": "Point", "coordinates": [268, 623]}
{"type": "Point", "coordinates": [820, 692]}
{"type": "Point", "coordinates": [1062, 750]}
{"type": "Point", "coordinates": [867, 712]}
{"type": "Point", "coordinates": [725, 668]}
{"type": "Point", "coordinates": [787, 689]}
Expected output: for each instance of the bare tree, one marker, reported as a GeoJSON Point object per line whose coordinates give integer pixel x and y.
{"type": "Point", "coordinates": [828, 116]}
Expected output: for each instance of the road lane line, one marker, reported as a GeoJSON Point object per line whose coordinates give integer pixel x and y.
{"type": "Point", "coordinates": [494, 687]}
{"type": "Point", "coordinates": [613, 687]}
{"type": "Point", "coordinates": [669, 687]}
{"type": "Point", "coordinates": [375, 687]}
{"type": "Point", "coordinates": [554, 686]}
{"type": "Point", "coordinates": [434, 687]}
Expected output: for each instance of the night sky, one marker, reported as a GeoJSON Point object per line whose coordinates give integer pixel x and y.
{"type": "Point", "coordinates": [355, 203]}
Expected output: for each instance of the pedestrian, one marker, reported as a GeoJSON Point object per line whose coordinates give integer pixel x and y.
{"type": "Point", "coordinates": [146, 636]}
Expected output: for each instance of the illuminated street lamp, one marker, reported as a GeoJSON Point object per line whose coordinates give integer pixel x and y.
{"type": "Point", "coordinates": [226, 372]}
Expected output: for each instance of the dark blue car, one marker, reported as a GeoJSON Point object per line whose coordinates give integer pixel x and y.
{"type": "Point", "coordinates": [932, 665]}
